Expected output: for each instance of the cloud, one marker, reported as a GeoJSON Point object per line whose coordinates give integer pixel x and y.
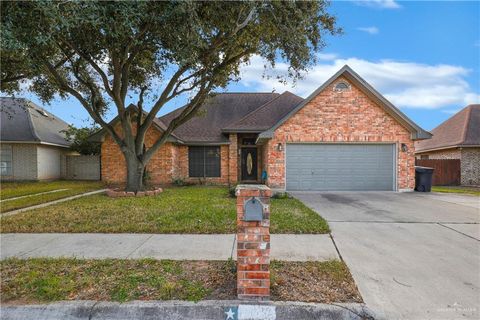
{"type": "Point", "coordinates": [327, 56]}
{"type": "Point", "coordinates": [379, 4]}
{"type": "Point", "coordinates": [370, 30]}
{"type": "Point", "coordinates": [405, 84]}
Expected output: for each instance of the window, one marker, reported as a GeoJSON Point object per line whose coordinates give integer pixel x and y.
{"type": "Point", "coordinates": [6, 160]}
{"type": "Point", "coordinates": [342, 86]}
{"type": "Point", "coordinates": [204, 161]}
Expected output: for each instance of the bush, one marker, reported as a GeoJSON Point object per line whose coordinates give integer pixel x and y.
{"type": "Point", "coordinates": [281, 195]}
{"type": "Point", "coordinates": [231, 190]}
{"type": "Point", "coordinates": [179, 182]}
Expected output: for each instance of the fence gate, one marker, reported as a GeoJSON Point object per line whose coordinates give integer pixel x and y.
{"type": "Point", "coordinates": [446, 171]}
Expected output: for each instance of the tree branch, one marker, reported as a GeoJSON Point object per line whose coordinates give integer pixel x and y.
{"type": "Point", "coordinates": [62, 83]}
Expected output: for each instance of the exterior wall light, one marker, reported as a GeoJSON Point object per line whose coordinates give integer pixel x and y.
{"type": "Point", "coordinates": [279, 147]}
{"type": "Point", "coordinates": [404, 147]}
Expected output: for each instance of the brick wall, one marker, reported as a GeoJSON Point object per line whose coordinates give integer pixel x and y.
{"type": "Point", "coordinates": [253, 245]}
{"type": "Point", "coordinates": [160, 168]}
{"type": "Point", "coordinates": [168, 163]}
{"type": "Point", "coordinates": [82, 167]}
{"type": "Point", "coordinates": [24, 162]}
{"type": "Point", "coordinates": [180, 164]}
{"type": "Point", "coordinates": [233, 159]}
{"type": "Point", "coordinates": [442, 154]}
{"type": "Point", "coordinates": [341, 116]}
{"type": "Point", "coordinates": [470, 166]}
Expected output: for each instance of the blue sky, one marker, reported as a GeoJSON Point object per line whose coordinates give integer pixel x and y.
{"type": "Point", "coordinates": [423, 56]}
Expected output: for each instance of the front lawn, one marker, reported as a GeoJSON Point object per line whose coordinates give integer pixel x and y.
{"type": "Point", "coordinates": [32, 193]}
{"type": "Point", "coordinates": [457, 189]}
{"type": "Point", "coordinates": [195, 209]}
{"type": "Point", "coordinates": [47, 280]}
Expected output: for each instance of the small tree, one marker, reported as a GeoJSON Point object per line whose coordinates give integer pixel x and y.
{"type": "Point", "coordinates": [102, 53]}
{"type": "Point", "coordinates": [79, 137]}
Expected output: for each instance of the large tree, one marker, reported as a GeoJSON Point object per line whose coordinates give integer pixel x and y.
{"type": "Point", "coordinates": [105, 53]}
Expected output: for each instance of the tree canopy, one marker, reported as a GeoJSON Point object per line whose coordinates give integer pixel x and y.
{"type": "Point", "coordinates": [103, 52]}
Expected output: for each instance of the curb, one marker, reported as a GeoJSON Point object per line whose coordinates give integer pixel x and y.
{"type": "Point", "coordinates": [177, 310]}
{"type": "Point", "coordinates": [42, 205]}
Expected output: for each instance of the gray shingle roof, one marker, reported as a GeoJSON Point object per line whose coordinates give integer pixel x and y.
{"type": "Point", "coordinates": [24, 121]}
{"type": "Point", "coordinates": [460, 130]}
{"type": "Point", "coordinates": [266, 116]}
{"type": "Point", "coordinates": [217, 112]}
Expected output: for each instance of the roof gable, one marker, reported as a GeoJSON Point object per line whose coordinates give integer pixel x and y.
{"type": "Point", "coordinates": [347, 72]}
{"type": "Point", "coordinates": [462, 129]}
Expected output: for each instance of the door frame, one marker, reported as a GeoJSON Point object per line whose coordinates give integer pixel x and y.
{"type": "Point", "coordinates": [242, 148]}
{"type": "Point", "coordinates": [395, 145]}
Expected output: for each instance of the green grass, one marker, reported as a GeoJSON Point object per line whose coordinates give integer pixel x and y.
{"type": "Point", "coordinates": [194, 209]}
{"type": "Point", "coordinates": [465, 190]}
{"type": "Point", "coordinates": [17, 189]}
{"type": "Point", "coordinates": [46, 280]}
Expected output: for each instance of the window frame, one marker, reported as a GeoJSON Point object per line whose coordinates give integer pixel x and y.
{"type": "Point", "coordinates": [201, 164]}
{"type": "Point", "coordinates": [9, 168]}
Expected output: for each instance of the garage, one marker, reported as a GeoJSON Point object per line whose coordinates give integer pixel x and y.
{"type": "Point", "coordinates": [340, 167]}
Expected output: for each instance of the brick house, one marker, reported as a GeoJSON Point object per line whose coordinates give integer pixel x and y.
{"type": "Point", "coordinates": [457, 138]}
{"type": "Point", "coordinates": [344, 136]}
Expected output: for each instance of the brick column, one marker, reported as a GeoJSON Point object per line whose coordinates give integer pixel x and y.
{"type": "Point", "coordinates": [253, 246]}
{"type": "Point", "coordinates": [233, 159]}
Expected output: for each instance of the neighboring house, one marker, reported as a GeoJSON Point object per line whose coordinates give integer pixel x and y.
{"type": "Point", "coordinates": [457, 138]}
{"type": "Point", "coordinates": [344, 136]}
{"type": "Point", "coordinates": [31, 140]}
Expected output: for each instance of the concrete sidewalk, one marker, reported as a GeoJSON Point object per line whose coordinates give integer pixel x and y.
{"type": "Point", "coordinates": [289, 247]}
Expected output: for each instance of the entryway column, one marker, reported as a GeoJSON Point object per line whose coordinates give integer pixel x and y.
{"type": "Point", "coordinates": [253, 242]}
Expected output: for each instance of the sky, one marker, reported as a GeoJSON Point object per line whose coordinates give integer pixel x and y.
{"type": "Point", "coordinates": [423, 56]}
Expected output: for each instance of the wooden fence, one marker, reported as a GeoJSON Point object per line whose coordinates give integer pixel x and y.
{"type": "Point", "coordinates": [446, 171]}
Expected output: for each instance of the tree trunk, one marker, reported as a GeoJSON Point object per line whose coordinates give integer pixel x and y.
{"type": "Point", "coordinates": [135, 170]}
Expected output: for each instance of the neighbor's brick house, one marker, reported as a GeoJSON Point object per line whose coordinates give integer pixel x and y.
{"type": "Point", "coordinates": [344, 136]}
{"type": "Point", "coordinates": [457, 138]}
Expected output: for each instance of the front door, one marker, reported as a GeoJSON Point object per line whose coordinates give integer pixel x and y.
{"type": "Point", "coordinates": [249, 164]}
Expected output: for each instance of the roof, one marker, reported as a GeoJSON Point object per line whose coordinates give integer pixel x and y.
{"type": "Point", "coordinates": [461, 130]}
{"type": "Point", "coordinates": [417, 133]}
{"type": "Point", "coordinates": [218, 112]}
{"type": "Point", "coordinates": [264, 117]}
{"type": "Point", "coordinates": [23, 121]}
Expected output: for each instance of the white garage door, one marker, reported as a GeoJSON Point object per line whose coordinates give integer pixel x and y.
{"type": "Point", "coordinates": [330, 167]}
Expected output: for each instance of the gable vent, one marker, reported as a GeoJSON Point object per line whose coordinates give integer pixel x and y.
{"type": "Point", "coordinates": [342, 86]}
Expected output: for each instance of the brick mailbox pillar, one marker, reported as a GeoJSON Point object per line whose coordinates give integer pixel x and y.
{"type": "Point", "coordinates": [253, 242]}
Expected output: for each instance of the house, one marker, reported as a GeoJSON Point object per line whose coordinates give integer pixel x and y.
{"type": "Point", "coordinates": [32, 142]}
{"type": "Point", "coordinates": [457, 138]}
{"type": "Point", "coordinates": [344, 136]}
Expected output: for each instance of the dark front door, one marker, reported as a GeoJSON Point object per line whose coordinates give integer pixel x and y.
{"type": "Point", "coordinates": [249, 164]}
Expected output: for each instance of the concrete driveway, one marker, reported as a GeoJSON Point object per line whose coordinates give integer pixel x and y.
{"type": "Point", "coordinates": [413, 255]}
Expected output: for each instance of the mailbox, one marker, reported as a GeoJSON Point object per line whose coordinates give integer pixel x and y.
{"type": "Point", "coordinates": [253, 210]}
